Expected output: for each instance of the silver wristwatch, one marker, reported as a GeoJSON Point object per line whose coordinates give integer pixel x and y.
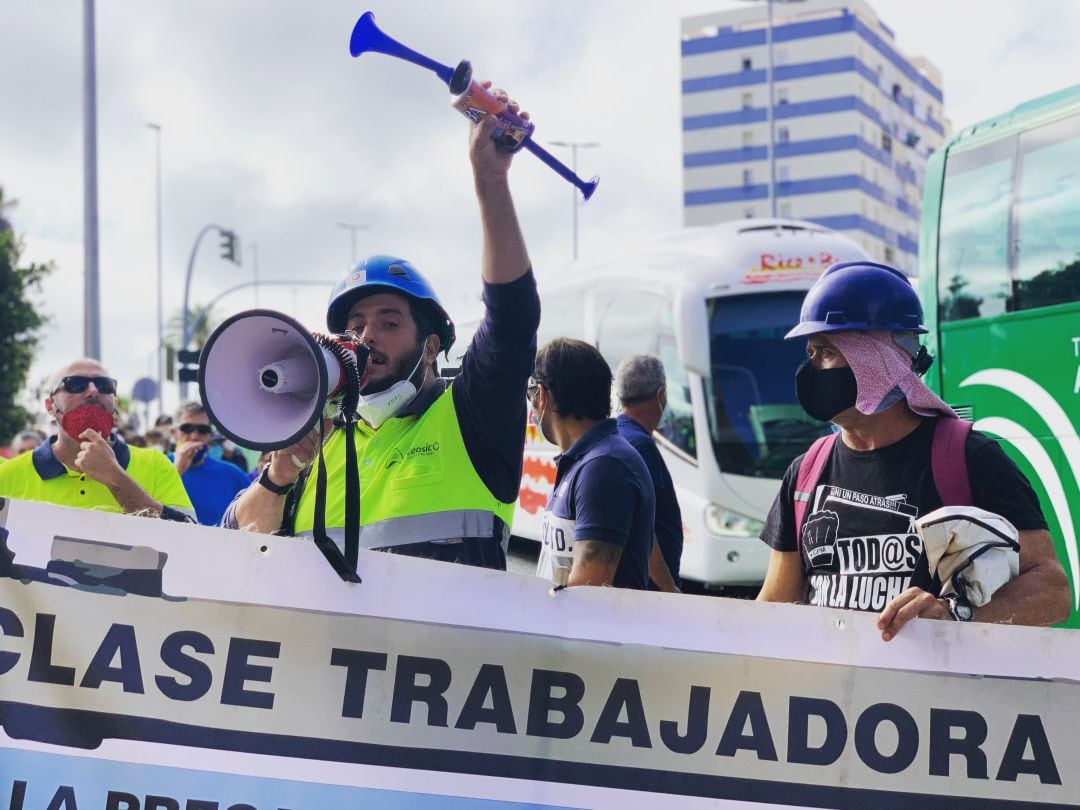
{"type": "Point", "coordinates": [960, 609]}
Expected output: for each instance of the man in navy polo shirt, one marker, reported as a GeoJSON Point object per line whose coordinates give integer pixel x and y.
{"type": "Point", "coordinates": [641, 388]}
{"type": "Point", "coordinates": [598, 526]}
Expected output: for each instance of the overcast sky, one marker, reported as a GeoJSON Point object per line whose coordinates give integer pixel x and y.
{"type": "Point", "coordinates": [271, 128]}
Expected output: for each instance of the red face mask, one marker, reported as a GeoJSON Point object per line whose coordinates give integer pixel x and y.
{"type": "Point", "coordinates": [75, 421]}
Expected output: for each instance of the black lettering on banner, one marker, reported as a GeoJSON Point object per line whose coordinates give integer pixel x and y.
{"type": "Point", "coordinates": [238, 671]}
{"type": "Point", "coordinates": [240, 807]}
{"type": "Point", "coordinates": [624, 694]}
{"type": "Point", "coordinates": [407, 691]}
{"type": "Point", "coordinates": [542, 702]}
{"type": "Point", "coordinates": [197, 672]}
{"type": "Point", "coordinates": [748, 708]}
{"type": "Point", "coordinates": [357, 664]}
{"type": "Point", "coordinates": [118, 641]}
{"type": "Point", "coordinates": [9, 626]}
{"type": "Point", "coordinates": [18, 795]}
{"type": "Point", "coordinates": [907, 742]}
{"type": "Point", "coordinates": [161, 803]}
{"type": "Point", "coordinates": [697, 724]}
{"type": "Point", "coordinates": [800, 710]}
{"type": "Point", "coordinates": [115, 797]}
{"type": "Point", "coordinates": [1028, 729]}
{"type": "Point", "coordinates": [42, 669]}
{"type": "Point", "coordinates": [63, 799]}
{"type": "Point", "coordinates": [943, 744]}
{"type": "Point", "coordinates": [490, 680]}
{"type": "Point", "coordinates": [200, 804]}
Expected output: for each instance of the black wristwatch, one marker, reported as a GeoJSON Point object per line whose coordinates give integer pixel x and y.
{"type": "Point", "coordinates": [960, 609]}
{"type": "Point", "coordinates": [264, 480]}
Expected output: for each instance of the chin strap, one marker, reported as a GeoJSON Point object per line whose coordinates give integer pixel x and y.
{"type": "Point", "coordinates": [343, 564]}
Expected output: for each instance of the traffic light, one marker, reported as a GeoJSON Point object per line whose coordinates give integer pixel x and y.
{"type": "Point", "coordinates": [230, 246]}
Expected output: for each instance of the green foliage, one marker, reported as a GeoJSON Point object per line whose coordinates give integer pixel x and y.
{"type": "Point", "coordinates": [20, 324]}
{"type": "Point", "coordinates": [202, 321]}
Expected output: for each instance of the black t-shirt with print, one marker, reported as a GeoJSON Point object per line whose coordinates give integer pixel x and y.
{"type": "Point", "coordinates": [858, 545]}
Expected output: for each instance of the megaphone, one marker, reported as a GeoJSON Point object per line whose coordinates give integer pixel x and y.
{"type": "Point", "coordinates": [265, 380]}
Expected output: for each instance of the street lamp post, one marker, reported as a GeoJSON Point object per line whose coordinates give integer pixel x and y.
{"type": "Point", "coordinates": [160, 313]}
{"type": "Point", "coordinates": [352, 229]}
{"type": "Point", "coordinates": [573, 146]}
{"type": "Point", "coordinates": [91, 299]}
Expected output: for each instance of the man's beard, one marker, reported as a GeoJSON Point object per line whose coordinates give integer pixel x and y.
{"type": "Point", "coordinates": [399, 372]}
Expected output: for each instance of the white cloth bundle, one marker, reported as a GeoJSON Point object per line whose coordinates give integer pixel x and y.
{"type": "Point", "coordinates": [972, 552]}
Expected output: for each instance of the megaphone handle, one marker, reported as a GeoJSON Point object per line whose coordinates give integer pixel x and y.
{"type": "Point", "coordinates": [587, 187]}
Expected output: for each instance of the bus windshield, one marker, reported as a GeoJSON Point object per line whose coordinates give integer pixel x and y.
{"type": "Point", "coordinates": [756, 422]}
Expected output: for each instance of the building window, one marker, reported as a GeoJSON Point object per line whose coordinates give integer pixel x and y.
{"type": "Point", "coordinates": [783, 135]}
{"type": "Point", "coordinates": [781, 95]}
{"type": "Point", "coordinates": [747, 63]}
{"type": "Point", "coordinates": [747, 100]}
{"type": "Point", "coordinates": [897, 94]}
{"type": "Point", "coordinates": [749, 212]}
{"type": "Point", "coordinates": [889, 255]}
{"type": "Point", "coordinates": [747, 138]}
{"type": "Point", "coordinates": [783, 173]}
{"type": "Point", "coordinates": [747, 177]}
{"type": "Point", "coordinates": [886, 143]}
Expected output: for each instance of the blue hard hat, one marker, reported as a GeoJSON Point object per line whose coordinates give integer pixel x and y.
{"type": "Point", "coordinates": [382, 274]}
{"type": "Point", "coordinates": [859, 296]}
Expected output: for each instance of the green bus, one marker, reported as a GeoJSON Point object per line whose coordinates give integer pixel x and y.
{"type": "Point", "coordinates": [999, 273]}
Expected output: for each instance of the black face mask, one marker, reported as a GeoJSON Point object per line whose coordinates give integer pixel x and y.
{"type": "Point", "coordinates": [823, 393]}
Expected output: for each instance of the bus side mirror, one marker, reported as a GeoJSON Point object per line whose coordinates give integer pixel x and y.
{"type": "Point", "coordinates": [692, 325]}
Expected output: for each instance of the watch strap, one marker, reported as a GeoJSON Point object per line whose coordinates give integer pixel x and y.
{"type": "Point", "coordinates": [277, 489]}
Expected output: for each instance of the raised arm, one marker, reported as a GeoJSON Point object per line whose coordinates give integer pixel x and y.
{"type": "Point", "coordinates": [504, 255]}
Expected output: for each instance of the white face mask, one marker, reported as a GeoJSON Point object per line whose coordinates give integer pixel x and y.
{"type": "Point", "coordinates": [377, 408]}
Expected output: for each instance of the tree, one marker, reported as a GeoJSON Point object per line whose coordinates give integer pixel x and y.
{"type": "Point", "coordinates": [20, 323]}
{"type": "Point", "coordinates": [201, 323]}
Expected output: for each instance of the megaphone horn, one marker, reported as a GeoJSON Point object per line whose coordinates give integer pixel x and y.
{"type": "Point", "coordinates": [265, 380]}
{"type": "Point", "coordinates": [367, 36]}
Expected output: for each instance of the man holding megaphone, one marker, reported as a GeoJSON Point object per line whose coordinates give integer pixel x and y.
{"type": "Point", "coordinates": [439, 464]}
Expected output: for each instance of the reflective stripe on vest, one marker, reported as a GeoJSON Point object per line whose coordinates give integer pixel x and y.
{"type": "Point", "coordinates": [404, 531]}
{"type": "Point", "coordinates": [416, 477]}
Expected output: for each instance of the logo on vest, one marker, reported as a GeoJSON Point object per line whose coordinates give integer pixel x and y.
{"type": "Point", "coordinates": [430, 449]}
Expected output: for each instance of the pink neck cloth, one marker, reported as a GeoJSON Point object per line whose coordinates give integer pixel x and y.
{"type": "Point", "coordinates": [883, 374]}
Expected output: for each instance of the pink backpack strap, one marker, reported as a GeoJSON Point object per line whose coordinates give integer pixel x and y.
{"type": "Point", "coordinates": [949, 462]}
{"type": "Point", "coordinates": [809, 473]}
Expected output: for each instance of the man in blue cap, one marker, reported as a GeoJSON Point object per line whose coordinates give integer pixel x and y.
{"type": "Point", "coordinates": [438, 465]}
{"type": "Point", "coordinates": [844, 527]}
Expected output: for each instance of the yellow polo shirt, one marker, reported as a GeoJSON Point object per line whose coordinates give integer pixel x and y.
{"type": "Point", "coordinates": [39, 476]}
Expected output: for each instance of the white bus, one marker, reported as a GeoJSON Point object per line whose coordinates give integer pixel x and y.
{"type": "Point", "coordinates": [713, 303]}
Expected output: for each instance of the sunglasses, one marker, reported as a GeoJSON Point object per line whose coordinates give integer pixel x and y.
{"type": "Point", "coordinates": [77, 383]}
{"type": "Point", "coordinates": [202, 430]}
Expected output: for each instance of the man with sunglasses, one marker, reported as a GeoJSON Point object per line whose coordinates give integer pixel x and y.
{"type": "Point", "coordinates": [211, 484]}
{"type": "Point", "coordinates": [86, 465]}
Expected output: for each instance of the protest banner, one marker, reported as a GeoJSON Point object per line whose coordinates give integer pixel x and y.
{"type": "Point", "coordinates": [147, 665]}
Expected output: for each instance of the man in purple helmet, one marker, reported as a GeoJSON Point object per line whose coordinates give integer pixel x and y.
{"type": "Point", "coordinates": [843, 528]}
{"type": "Point", "coordinates": [438, 466]}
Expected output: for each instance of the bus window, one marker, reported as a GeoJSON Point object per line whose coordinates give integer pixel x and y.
{"type": "Point", "coordinates": [973, 256]}
{"type": "Point", "coordinates": [1048, 216]}
{"type": "Point", "coordinates": [629, 323]}
{"type": "Point", "coordinates": [561, 316]}
{"type": "Point", "coordinates": [677, 426]}
{"type": "Point", "coordinates": [755, 420]}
